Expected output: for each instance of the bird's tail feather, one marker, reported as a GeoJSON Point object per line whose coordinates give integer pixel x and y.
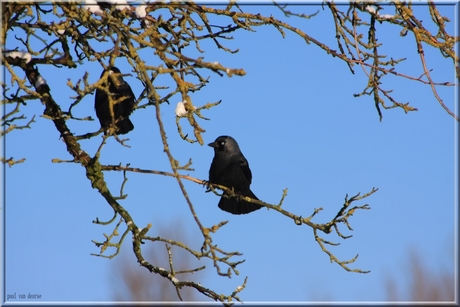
{"type": "Point", "coordinates": [124, 126]}
{"type": "Point", "coordinates": [235, 206]}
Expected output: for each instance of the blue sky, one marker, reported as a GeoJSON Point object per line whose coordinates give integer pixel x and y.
{"type": "Point", "coordinates": [298, 124]}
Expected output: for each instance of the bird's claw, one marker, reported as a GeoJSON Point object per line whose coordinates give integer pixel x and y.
{"type": "Point", "coordinates": [238, 195]}
{"type": "Point", "coordinates": [206, 183]}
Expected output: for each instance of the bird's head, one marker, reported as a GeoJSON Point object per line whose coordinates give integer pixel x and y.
{"type": "Point", "coordinates": [115, 77]}
{"type": "Point", "coordinates": [112, 70]}
{"type": "Point", "coordinates": [225, 143]}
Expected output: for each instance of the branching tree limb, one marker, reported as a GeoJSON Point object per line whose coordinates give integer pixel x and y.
{"type": "Point", "coordinates": [68, 35]}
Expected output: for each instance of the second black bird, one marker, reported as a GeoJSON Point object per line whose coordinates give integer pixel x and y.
{"type": "Point", "coordinates": [231, 169]}
{"type": "Point", "coordinates": [122, 103]}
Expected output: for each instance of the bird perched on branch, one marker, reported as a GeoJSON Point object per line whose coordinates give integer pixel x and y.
{"type": "Point", "coordinates": [231, 169]}
{"type": "Point", "coordinates": [117, 109]}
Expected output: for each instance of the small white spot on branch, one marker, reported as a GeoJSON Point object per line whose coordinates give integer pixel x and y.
{"type": "Point", "coordinates": [180, 109]}
{"type": "Point", "coordinates": [173, 279]}
{"type": "Point", "coordinates": [40, 81]}
{"type": "Point", "coordinates": [371, 9]}
{"type": "Point", "coordinates": [19, 54]}
{"type": "Point", "coordinates": [120, 4]}
{"type": "Point", "coordinates": [387, 16]}
{"type": "Point", "coordinates": [92, 6]}
{"type": "Point", "coordinates": [140, 11]}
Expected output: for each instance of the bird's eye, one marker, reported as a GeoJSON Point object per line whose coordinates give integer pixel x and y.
{"type": "Point", "coordinates": [222, 143]}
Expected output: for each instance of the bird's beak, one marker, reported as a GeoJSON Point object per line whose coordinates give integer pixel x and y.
{"type": "Point", "coordinates": [213, 144]}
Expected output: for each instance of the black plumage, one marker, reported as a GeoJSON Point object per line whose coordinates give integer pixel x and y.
{"type": "Point", "coordinates": [231, 169]}
{"type": "Point", "coordinates": [122, 103]}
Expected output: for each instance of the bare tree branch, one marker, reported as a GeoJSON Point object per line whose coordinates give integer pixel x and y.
{"type": "Point", "coordinates": [67, 35]}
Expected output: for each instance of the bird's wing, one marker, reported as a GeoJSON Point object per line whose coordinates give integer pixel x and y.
{"type": "Point", "coordinates": [101, 106]}
{"type": "Point", "coordinates": [124, 87]}
{"type": "Point", "coordinates": [245, 168]}
{"type": "Point", "coordinates": [99, 99]}
{"type": "Point", "coordinates": [125, 90]}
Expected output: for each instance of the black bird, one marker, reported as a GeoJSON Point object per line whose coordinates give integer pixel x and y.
{"type": "Point", "coordinates": [122, 94]}
{"type": "Point", "coordinates": [231, 169]}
